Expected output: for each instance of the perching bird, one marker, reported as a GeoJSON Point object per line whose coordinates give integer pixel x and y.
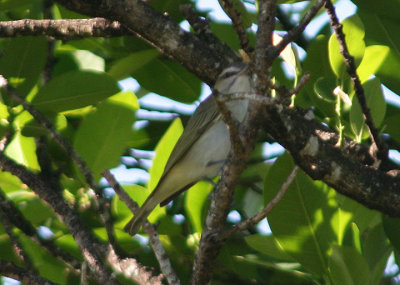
{"type": "Point", "coordinates": [204, 145]}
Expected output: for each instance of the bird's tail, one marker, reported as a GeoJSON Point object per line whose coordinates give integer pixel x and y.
{"type": "Point", "coordinates": [138, 220]}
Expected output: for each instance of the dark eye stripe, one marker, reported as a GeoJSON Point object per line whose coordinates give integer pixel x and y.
{"type": "Point", "coordinates": [230, 73]}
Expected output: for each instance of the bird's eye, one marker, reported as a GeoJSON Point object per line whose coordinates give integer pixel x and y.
{"type": "Point", "coordinates": [229, 74]}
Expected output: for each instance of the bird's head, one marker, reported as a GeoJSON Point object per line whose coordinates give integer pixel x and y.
{"type": "Point", "coordinates": [234, 79]}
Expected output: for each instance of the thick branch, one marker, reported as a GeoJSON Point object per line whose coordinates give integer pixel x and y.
{"type": "Point", "coordinates": [63, 29]}
{"type": "Point", "coordinates": [346, 168]}
{"type": "Point", "coordinates": [204, 60]}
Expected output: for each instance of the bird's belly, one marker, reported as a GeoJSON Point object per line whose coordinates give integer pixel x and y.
{"type": "Point", "coordinates": [209, 153]}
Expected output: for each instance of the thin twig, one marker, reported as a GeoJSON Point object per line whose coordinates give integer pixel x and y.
{"type": "Point", "coordinates": [382, 149]}
{"type": "Point", "coordinates": [285, 93]}
{"type": "Point", "coordinates": [284, 20]}
{"type": "Point", "coordinates": [264, 212]}
{"type": "Point", "coordinates": [237, 22]}
{"type": "Point", "coordinates": [150, 229]}
{"type": "Point", "coordinates": [295, 33]}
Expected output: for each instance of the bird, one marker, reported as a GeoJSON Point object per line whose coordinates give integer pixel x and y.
{"type": "Point", "coordinates": [204, 145]}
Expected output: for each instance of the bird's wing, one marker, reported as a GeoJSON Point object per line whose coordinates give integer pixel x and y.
{"type": "Point", "coordinates": [204, 116]}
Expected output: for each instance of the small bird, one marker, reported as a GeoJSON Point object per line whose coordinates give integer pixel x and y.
{"type": "Point", "coordinates": [204, 145]}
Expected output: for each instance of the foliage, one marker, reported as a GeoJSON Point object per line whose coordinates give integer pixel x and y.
{"type": "Point", "coordinates": [317, 235]}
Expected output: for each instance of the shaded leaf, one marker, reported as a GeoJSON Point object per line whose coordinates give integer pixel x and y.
{"type": "Point", "coordinates": [104, 135]}
{"type": "Point", "coordinates": [75, 89]}
{"type": "Point", "coordinates": [170, 79]}
{"type": "Point", "coordinates": [268, 245]}
{"type": "Point", "coordinates": [22, 61]}
{"type": "Point", "coordinates": [348, 267]}
{"type": "Point", "coordinates": [124, 67]}
{"type": "Point", "coordinates": [298, 221]}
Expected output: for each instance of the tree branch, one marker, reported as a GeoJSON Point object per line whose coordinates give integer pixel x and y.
{"type": "Point", "coordinates": [70, 29]}
{"type": "Point", "coordinates": [264, 212]}
{"type": "Point", "coordinates": [91, 249]}
{"type": "Point", "coordinates": [16, 218]}
{"type": "Point", "coordinates": [150, 229]}
{"type": "Point", "coordinates": [204, 60]}
{"type": "Point", "coordinates": [382, 149]}
{"type": "Point", "coordinates": [344, 168]}
{"type": "Point", "coordinates": [296, 32]}
{"type": "Point", "coordinates": [264, 46]}
{"type": "Point", "coordinates": [237, 22]}
{"type": "Point", "coordinates": [98, 199]}
{"type": "Point", "coordinates": [25, 276]}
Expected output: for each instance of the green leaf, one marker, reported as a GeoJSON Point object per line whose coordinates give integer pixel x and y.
{"type": "Point", "coordinates": [34, 129]}
{"type": "Point", "coordinates": [48, 265]}
{"type": "Point", "coordinates": [353, 29]}
{"type": "Point", "coordinates": [324, 87]}
{"type": "Point", "coordinates": [9, 182]}
{"type": "Point", "coordinates": [388, 73]}
{"type": "Point", "coordinates": [170, 79]}
{"type": "Point", "coordinates": [392, 230]}
{"type": "Point", "coordinates": [194, 203]}
{"type": "Point", "coordinates": [376, 251]}
{"type": "Point", "coordinates": [16, 4]}
{"type": "Point", "coordinates": [74, 90]}
{"type": "Point", "coordinates": [348, 267]}
{"type": "Point", "coordinates": [104, 135]}
{"type": "Point", "coordinates": [22, 61]}
{"type": "Point", "coordinates": [124, 67]}
{"type": "Point", "coordinates": [376, 103]}
{"type": "Point", "coordinates": [299, 221]}
{"type": "Point", "coordinates": [87, 60]}
{"type": "Point", "coordinates": [392, 121]}
{"type": "Point", "coordinates": [317, 64]}
{"type": "Point", "coordinates": [390, 9]}
{"type": "Point", "coordinates": [363, 217]}
{"type": "Point", "coordinates": [138, 194]}
{"type": "Point", "coordinates": [289, 54]}
{"type": "Point", "coordinates": [163, 151]}
{"type": "Point", "coordinates": [372, 61]}
{"type": "Point", "coordinates": [23, 151]}
{"type": "Point", "coordinates": [33, 208]}
{"type": "Point", "coordinates": [269, 246]}
{"type": "Point", "coordinates": [171, 8]}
